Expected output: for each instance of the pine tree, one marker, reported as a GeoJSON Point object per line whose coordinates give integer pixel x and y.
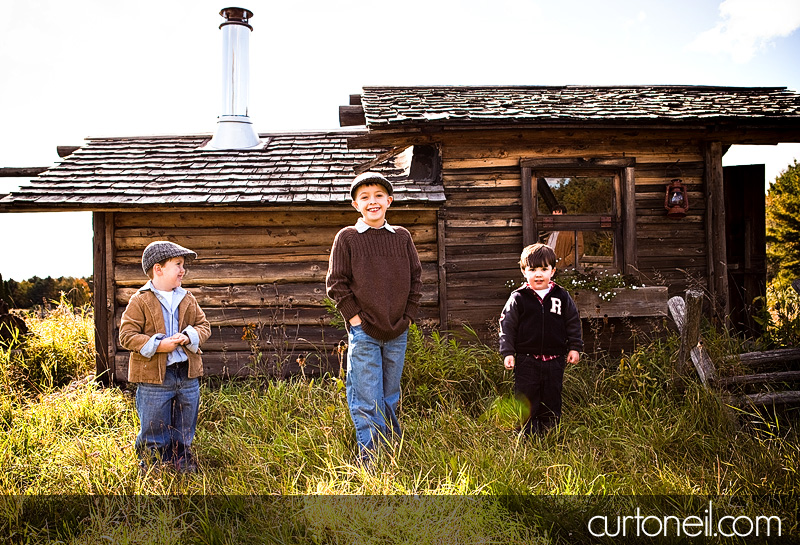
{"type": "Point", "coordinates": [783, 225]}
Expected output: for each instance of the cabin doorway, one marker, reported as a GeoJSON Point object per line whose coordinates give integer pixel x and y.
{"type": "Point", "coordinates": [745, 234]}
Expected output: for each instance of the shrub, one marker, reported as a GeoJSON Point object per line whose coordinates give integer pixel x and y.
{"type": "Point", "coordinates": [440, 369]}
{"type": "Point", "coordinates": [60, 348]}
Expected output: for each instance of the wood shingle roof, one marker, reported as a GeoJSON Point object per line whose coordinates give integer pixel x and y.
{"type": "Point", "coordinates": [396, 107]}
{"type": "Point", "coordinates": [121, 173]}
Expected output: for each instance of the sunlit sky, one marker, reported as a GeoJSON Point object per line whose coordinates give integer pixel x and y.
{"type": "Point", "coordinates": [88, 68]}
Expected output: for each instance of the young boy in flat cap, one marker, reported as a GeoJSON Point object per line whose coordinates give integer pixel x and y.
{"type": "Point", "coordinates": [374, 277]}
{"type": "Point", "coordinates": [163, 327]}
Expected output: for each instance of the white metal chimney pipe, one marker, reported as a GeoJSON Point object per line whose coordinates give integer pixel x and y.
{"type": "Point", "coordinates": [234, 128]}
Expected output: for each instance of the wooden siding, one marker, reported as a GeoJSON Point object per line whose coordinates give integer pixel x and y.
{"type": "Point", "coordinates": [260, 278]}
{"type": "Point", "coordinates": [483, 215]}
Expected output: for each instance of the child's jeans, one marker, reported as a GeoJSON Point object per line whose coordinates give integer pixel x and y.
{"type": "Point", "coordinates": [168, 416]}
{"type": "Point", "coordinates": [538, 384]}
{"type": "Point", "coordinates": [373, 386]}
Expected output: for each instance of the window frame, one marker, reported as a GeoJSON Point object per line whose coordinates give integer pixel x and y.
{"type": "Point", "coordinates": [622, 220]}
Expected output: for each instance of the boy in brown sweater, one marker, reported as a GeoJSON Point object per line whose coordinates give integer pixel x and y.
{"type": "Point", "coordinates": [374, 277]}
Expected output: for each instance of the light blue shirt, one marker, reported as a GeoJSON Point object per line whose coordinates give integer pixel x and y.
{"type": "Point", "coordinates": [172, 326]}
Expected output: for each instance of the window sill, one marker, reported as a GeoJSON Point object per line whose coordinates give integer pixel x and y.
{"type": "Point", "coordinates": [628, 302]}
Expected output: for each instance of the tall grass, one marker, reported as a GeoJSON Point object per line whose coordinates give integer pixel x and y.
{"type": "Point", "coordinates": [627, 429]}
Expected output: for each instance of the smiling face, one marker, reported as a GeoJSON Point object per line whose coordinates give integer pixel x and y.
{"type": "Point", "coordinates": [168, 276]}
{"type": "Point", "coordinates": [539, 277]}
{"type": "Point", "coordinates": [372, 201]}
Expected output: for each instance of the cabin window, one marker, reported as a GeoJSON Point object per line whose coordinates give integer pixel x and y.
{"type": "Point", "coordinates": [577, 208]}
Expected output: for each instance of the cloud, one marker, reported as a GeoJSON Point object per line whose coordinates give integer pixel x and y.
{"type": "Point", "coordinates": [749, 26]}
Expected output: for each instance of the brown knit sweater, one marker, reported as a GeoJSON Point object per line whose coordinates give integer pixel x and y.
{"type": "Point", "coordinates": [377, 275]}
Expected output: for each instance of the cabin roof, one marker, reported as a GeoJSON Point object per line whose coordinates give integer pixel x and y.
{"type": "Point", "coordinates": [293, 168]}
{"type": "Point", "coordinates": [400, 107]}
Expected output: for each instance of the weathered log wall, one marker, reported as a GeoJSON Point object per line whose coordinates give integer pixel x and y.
{"type": "Point", "coordinates": [260, 278]}
{"type": "Point", "coordinates": [482, 216]}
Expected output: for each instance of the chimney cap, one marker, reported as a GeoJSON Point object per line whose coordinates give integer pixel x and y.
{"type": "Point", "coordinates": [236, 16]}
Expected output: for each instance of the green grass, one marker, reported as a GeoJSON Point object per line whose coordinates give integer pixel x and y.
{"type": "Point", "coordinates": [629, 429]}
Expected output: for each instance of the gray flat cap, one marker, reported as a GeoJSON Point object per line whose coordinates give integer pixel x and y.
{"type": "Point", "coordinates": [370, 178]}
{"type": "Point", "coordinates": [160, 250]}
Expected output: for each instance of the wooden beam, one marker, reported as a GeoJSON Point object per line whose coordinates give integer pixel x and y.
{"type": "Point", "coordinates": [21, 172]}
{"type": "Point", "coordinates": [382, 158]}
{"type": "Point", "coordinates": [63, 151]}
{"type": "Point", "coordinates": [715, 203]}
{"type": "Point", "coordinates": [351, 115]}
{"type": "Point", "coordinates": [110, 290]}
{"type": "Point", "coordinates": [529, 235]}
{"type": "Point", "coordinates": [442, 260]}
{"type": "Point", "coordinates": [688, 322]}
{"type": "Point", "coordinates": [103, 369]}
{"type": "Point", "coordinates": [629, 251]}
{"type": "Point", "coordinates": [767, 357]}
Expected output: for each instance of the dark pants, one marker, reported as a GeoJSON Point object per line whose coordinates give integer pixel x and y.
{"type": "Point", "coordinates": [538, 385]}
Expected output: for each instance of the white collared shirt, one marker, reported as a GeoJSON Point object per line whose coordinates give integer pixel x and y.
{"type": "Point", "coordinates": [362, 227]}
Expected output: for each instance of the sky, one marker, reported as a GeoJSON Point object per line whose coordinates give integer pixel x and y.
{"type": "Point", "coordinates": [90, 68]}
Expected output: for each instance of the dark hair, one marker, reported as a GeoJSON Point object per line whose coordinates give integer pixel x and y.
{"type": "Point", "coordinates": [537, 255]}
{"type": "Point", "coordinates": [560, 208]}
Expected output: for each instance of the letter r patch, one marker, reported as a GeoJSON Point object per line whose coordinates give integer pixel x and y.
{"type": "Point", "coordinates": [555, 308]}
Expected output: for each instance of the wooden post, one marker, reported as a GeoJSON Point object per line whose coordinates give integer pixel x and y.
{"type": "Point", "coordinates": [528, 225]}
{"type": "Point", "coordinates": [442, 257]}
{"type": "Point", "coordinates": [102, 365]}
{"type": "Point", "coordinates": [629, 224]}
{"type": "Point", "coordinates": [687, 315]}
{"type": "Point", "coordinates": [715, 223]}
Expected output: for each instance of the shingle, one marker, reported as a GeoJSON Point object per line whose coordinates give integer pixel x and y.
{"type": "Point", "coordinates": [314, 167]}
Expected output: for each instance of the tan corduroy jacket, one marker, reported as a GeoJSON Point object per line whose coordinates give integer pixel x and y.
{"type": "Point", "coordinates": [142, 319]}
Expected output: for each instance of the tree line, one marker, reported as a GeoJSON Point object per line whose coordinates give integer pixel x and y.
{"type": "Point", "coordinates": [37, 291]}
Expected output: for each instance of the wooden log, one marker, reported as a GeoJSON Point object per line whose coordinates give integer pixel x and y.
{"type": "Point", "coordinates": [688, 322]}
{"type": "Point", "coordinates": [240, 364]}
{"type": "Point", "coordinates": [334, 217]}
{"type": "Point", "coordinates": [266, 295]}
{"type": "Point", "coordinates": [21, 172]}
{"type": "Point", "coordinates": [765, 399]}
{"type": "Point", "coordinates": [245, 237]}
{"type": "Point", "coordinates": [757, 360]}
{"type": "Point", "coordinates": [760, 378]}
{"type": "Point", "coordinates": [64, 151]}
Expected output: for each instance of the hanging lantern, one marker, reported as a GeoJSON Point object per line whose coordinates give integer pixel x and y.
{"type": "Point", "coordinates": [676, 200]}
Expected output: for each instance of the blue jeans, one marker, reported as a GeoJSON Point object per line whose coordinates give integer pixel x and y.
{"type": "Point", "coordinates": [168, 416]}
{"type": "Point", "coordinates": [373, 386]}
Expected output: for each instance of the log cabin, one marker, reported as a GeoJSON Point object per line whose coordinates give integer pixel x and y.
{"type": "Point", "coordinates": [262, 222]}
{"type": "Point", "coordinates": [478, 173]}
{"type": "Point", "coordinates": [618, 157]}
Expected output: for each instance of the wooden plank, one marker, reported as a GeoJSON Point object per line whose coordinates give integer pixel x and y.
{"type": "Point", "coordinates": [381, 158]}
{"type": "Point", "coordinates": [239, 364]}
{"type": "Point", "coordinates": [760, 378]}
{"type": "Point", "coordinates": [103, 367]}
{"type": "Point", "coordinates": [351, 115]}
{"type": "Point", "coordinates": [716, 227]}
{"type": "Point", "coordinates": [266, 295]}
{"type": "Point", "coordinates": [442, 269]}
{"type": "Point", "coordinates": [333, 217]}
{"type": "Point", "coordinates": [649, 301]}
{"type": "Point", "coordinates": [242, 316]}
{"type": "Point", "coordinates": [702, 362]}
{"type": "Point", "coordinates": [757, 360]}
{"type": "Point", "coordinates": [765, 399]}
{"type": "Point", "coordinates": [234, 273]}
{"type": "Point", "coordinates": [110, 256]}
{"type": "Point", "coordinates": [21, 172]}
{"type": "Point", "coordinates": [226, 274]}
{"type": "Point", "coordinates": [273, 337]}
{"type": "Point", "coordinates": [245, 237]}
